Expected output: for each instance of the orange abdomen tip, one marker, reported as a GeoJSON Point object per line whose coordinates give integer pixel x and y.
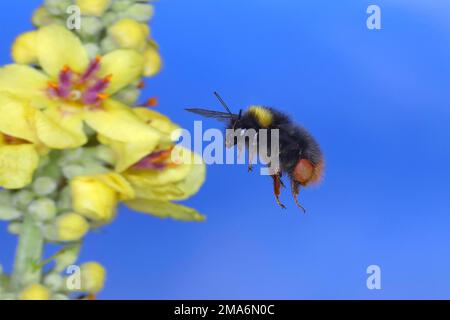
{"type": "Point", "coordinates": [305, 172]}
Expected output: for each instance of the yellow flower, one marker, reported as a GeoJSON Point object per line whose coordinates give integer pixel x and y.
{"type": "Point", "coordinates": [18, 153]}
{"type": "Point", "coordinates": [92, 277]}
{"type": "Point", "coordinates": [72, 90]}
{"type": "Point", "coordinates": [96, 196]}
{"type": "Point", "coordinates": [35, 292]}
{"type": "Point", "coordinates": [168, 174]}
{"type": "Point", "coordinates": [129, 34]}
{"type": "Point", "coordinates": [71, 227]}
{"type": "Point", "coordinates": [93, 7]}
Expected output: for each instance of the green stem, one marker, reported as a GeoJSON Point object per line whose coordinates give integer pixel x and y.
{"type": "Point", "coordinates": [28, 255]}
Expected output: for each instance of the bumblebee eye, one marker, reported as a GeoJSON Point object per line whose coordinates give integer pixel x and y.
{"type": "Point", "coordinates": [303, 171]}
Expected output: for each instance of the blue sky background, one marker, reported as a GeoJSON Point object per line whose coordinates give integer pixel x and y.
{"type": "Point", "coordinates": [377, 101]}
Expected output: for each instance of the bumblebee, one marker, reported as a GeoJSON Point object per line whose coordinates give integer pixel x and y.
{"type": "Point", "coordinates": [300, 156]}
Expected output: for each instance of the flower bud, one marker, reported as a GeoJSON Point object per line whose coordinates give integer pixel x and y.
{"type": "Point", "coordinates": [128, 95]}
{"type": "Point", "coordinates": [90, 27]}
{"type": "Point", "coordinates": [128, 33]}
{"type": "Point", "coordinates": [92, 277]}
{"type": "Point", "coordinates": [60, 296]}
{"type": "Point", "coordinates": [15, 228]}
{"type": "Point", "coordinates": [68, 256]}
{"type": "Point", "coordinates": [93, 7]}
{"type": "Point", "coordinates": [8, 213]}
{"type": "Point", "coordinates": [108, 44]}
{"type": "Point", "coordinates": [71, 227]}
{"type": "Point", "coordinates": [35, 292]}
{"type": "Point", "coordinates": [109, 18]}
{"type": "Point", "coordinates": [22, 198]}
{"type": "Point", "coordinates": [41, 17]}
{"type": "Point", "coordinates": [121, 5]}
{"type": "Point", "coordinates": [152, 62]}
{"type": "Point", "coordinates": [105, 154]}
{"type": "Point", "coordinates": [5, 197]}
{"type": "Point", "coordinates": [43, 209]}
{"type": "Point", "coordinates": [65, 199]}
{"type": "Point", "coordinates": [54, 281]}
{"type": "Point", "coordinates": [93, 199]}
{"type": "Point", "coordinates": [24, 48]}
{"type": "Point", "coordinates": [43, 186]}
{"type": "Point", "coordinates": [140, 12]}
{"type": "Point", "coordinates": [57, 7]}
{"type": "Point", "coordinates": [73, 170]}
{"type": "Point", "coordinates": [92, 49]}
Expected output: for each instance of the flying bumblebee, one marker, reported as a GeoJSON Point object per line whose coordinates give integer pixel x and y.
{"type": "Point", "coordinates": [300, 156]}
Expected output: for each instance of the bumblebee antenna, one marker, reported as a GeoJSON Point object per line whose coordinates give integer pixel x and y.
{"type": "Point", "coordinates": [222, 102]}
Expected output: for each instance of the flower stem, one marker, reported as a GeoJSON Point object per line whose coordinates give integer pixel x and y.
{"type": "Point", "coordinates": [28, 255]}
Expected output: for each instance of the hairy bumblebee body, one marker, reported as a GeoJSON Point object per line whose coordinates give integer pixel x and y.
{"type": "Point", "coordinates": [300, 156]}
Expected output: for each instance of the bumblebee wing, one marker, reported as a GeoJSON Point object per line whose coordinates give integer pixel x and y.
{"type": "Point", "coordinates": [221, 116]}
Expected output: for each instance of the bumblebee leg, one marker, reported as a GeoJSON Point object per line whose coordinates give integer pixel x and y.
{"type": "Point", "coordinates": [276, 189]}
{"type": "Point", "coordinates": [295, 191]}
{"type": "Point", "coordinates": [281, 181]}
{"type": "Point", "coordinates": [251, 156]}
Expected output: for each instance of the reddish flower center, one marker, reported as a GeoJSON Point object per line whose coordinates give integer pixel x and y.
{"type": "Point", "coordinates": [157, 160]}
{"type": "Point", "coordinates": [86, 88]}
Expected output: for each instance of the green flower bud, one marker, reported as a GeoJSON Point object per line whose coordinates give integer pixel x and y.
{"type": "Point", "coordinates": [44, 185]}
{"type": "Point", "coordinates": [43, 161]}
{"type": "Point", "coordinates": [105, 154]}
{"type": "Point", "coordinates": [65, 199]}
{"type": "Point", "coordinates": [139, 12]}
{"type": "Point", "coordinates": [15, 228]}
{"type": "Point", "coordinates": [90, 27]}
{"type": "Point", "coordinates": [72, 171]}
{"type": "Point", "coordinates": [71, 155]}
{"type": "Point", "coordinates": [110, 18]}
{"type": "Point", "coordinates": [5, 197]}
{"type": "Point", "coordinates": [8, 296]}
{"type": "Point", "coordinates": [8, 213]}
{"type": "Point", "coordinates": [22, 198]}
{"type": "Point", "coordinates": [43, 209]}
{"type": "Point", "coordinates": [128, 95]}
{"type": "Point", "coordinates": [92, 49]}
{"type": "Point", "coordinates": [57, 7]}
{"type": "Point", "coordinates": [108, 44]}
{"type": "Point", "coordinates": [121, 5]}
{"type": "Point", "coordinates": [59, 296]}
{"type": "Point", "coordinates": [54, 282]}
{"type": "Point", "coordinates": [68, 256]}
{"type": "Point", "coordinates": [41, 17]}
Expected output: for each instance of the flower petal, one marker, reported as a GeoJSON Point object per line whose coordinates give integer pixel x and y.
{"type": "Point", "coordinates": [25, 82]}
{"type": "Point", "coordinates": [147, 178]}
{"type": "Point", "coordinates": [163, 209]}
{"type": "Point", "coordinates": [58, 47]}
{"type": "Point", "coordinates": [158, 121]}
{"type": "Point", "coordinates": [126, 154]}
{"type": "Point", "coordinates": [124, 65]}
{"type": "Point", "coordinates": [60, 129]}
{"type": "Point", "coordinates": [118, 127]}
{"type": "Point", "coordinates": [175, 183]}
{"type": "Point", "coordinates": [17, 165]}
{"type": "Point", "coordinates": [118, 183]}
{"type": "Point", "coordinates": [24, 48]}
{"type": "Point", "coordinates": [19, 120]}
